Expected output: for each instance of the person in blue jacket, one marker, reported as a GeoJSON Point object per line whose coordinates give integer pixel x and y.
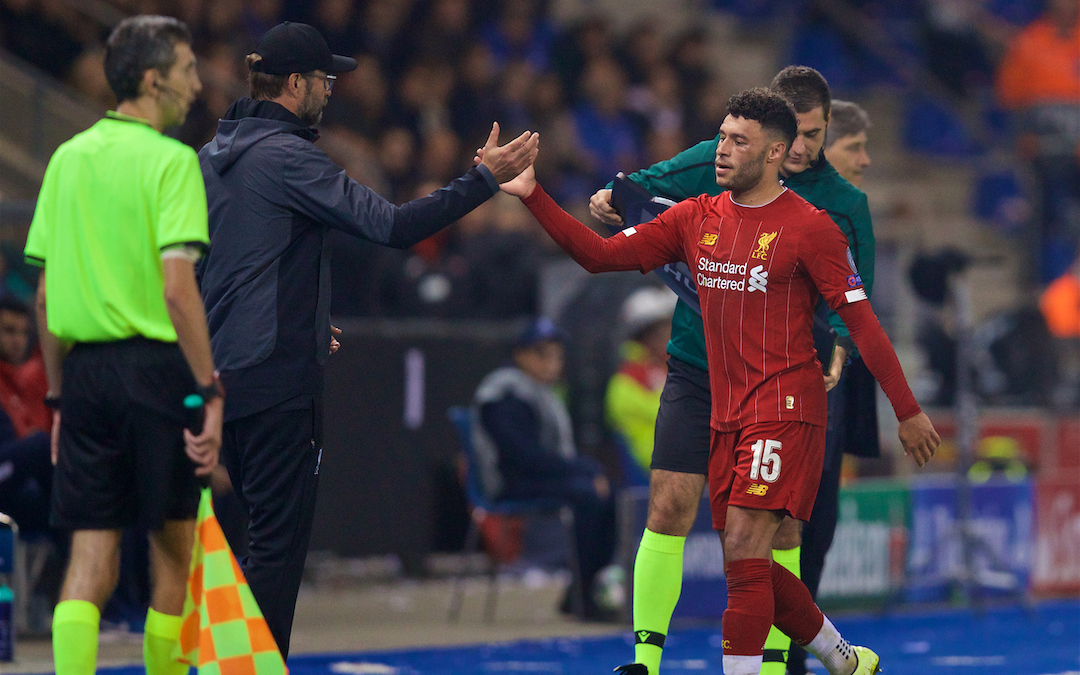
{"type": "Point", "coordinates": [525, 448]}
{"type": "Point", "coordinates": [273, 197]}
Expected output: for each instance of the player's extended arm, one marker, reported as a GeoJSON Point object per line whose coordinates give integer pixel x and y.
{"type": "Point", "coordinates": [586, 247]}
{"type": "Point", "coordinates": [916, 432]}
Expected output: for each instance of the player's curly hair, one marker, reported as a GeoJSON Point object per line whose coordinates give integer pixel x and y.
{"type": "Point", "coordinates": [138, 44]}
{"type": "Point", "coordinates": [804, 88]}
{"type": "Point", "coordinates": [768, 109]}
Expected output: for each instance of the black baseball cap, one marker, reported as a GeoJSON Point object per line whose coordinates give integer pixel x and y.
{"type": "Point", "coordinates": [297, 48]}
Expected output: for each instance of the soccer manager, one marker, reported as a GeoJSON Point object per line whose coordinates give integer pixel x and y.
{"type": "Point", "coordinates": [273, 198]}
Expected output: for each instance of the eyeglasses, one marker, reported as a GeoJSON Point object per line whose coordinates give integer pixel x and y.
{"type": "Point", "coordinates": [328, 81]}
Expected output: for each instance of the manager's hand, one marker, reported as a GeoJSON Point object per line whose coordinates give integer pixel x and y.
{"type": "Point", "coordinates": [919, 438]}
{"type": "Point", "coordinates": [600, 207]}
{"type": "Point", "coordinates": [204, 448]}
{"type": "Point", "coordinates": [507, 161]}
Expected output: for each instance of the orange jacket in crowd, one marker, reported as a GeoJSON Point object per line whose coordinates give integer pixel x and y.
{"type": "Point", "coordinates": [1060, 305]}
{"type": "Point", "coordinates": [1040, 66]}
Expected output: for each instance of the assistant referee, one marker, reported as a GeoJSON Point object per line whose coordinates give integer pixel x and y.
{"type": "Point", "coordinates": [120, 221]}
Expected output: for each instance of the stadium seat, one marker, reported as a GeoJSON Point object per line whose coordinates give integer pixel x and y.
{"type": "Point", "coordinates": [480, 507]}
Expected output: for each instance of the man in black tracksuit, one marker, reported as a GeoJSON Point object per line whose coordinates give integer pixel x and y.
{"type": "Point", "coordinates": [273, 198]}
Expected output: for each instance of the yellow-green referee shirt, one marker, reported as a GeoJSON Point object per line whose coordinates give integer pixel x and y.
{"type": "Point", "coordinates": [113, 198]}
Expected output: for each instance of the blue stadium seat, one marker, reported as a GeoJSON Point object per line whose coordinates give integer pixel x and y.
{"type": "Point", "coordinates": [480, 506]}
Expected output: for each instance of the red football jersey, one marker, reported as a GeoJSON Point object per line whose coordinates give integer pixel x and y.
{"type": "Point", "coordinates": [759, 272]}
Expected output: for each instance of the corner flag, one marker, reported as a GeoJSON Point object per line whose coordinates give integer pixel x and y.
{"type": "Point", "coordinates": [223, 631]}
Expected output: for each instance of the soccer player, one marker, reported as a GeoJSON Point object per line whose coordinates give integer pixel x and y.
{"type": "Point", "coordinates": [120, 221]}
{"type": "Point", "coordinates": [761, 256]}
{"type": "Point", "coordinates": [680, 458]}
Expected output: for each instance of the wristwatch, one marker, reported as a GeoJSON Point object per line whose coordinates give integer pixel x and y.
{"type": "Point", "coordinates": [211, 391]}
{"type": "Point", "coordinates": [52, 402]}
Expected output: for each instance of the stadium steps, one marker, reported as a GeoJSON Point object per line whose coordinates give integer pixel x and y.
{"type": "Point", "coordinates": [39, 114]}
{"type": "Point", "coordinates": [923, 204]}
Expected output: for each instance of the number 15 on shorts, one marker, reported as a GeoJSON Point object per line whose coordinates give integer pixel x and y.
{"type": "Point", "coordinates": [766, 464]}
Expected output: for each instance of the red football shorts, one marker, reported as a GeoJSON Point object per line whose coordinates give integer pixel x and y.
{"type": "Point", "coordinates": [773, 466]}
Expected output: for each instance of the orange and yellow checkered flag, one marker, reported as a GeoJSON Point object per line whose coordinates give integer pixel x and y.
{"type": "Point", "coordinates": [223, 630]}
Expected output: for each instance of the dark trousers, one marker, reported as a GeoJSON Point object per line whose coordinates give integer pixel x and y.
{"type": "Point", "coordinates": [273, 461]}
{"type": "Point", "coordinates": [26, 474]}
{"type": "Point", "coordinates": [594, 522]}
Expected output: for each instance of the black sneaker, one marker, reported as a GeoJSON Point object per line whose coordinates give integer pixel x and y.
{"type": "Point", "coordinates": [632, 669]}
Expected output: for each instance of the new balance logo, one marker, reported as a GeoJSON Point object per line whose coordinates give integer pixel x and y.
{"type": "Point", "coordinates": [757, 489]}
{"type": "Point", "coordinates": [708, 239]}
{"type": "Point", "coordinates": [759, 278]}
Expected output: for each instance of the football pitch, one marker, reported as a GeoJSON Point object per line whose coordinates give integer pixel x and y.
{"type": "Point", "coordinates": [1043, 639]}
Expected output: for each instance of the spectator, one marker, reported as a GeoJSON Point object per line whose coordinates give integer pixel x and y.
{"type": "Point", "coordinates": [633, 393]}
{"type": "Point", "coordinates": [845, 144]}
{"type": "Point", "coordinates": [641, 50]}
{"type": "Point", "coordinates": [958, 39]}
{"type": "Point", "coordinates": [22, 374]}
{"type": "Point", "coordinates": [336, 19]}
{"type": "Point", "coordinates": [1039, 81]}
{"type": "Point", "coordinates": [431, 279]}
{"type": "Point", "coordinates": [444, 33]}
{"type": "Point", "coordinates": [365, 108]}
{"type": "Point", "coordinates": [25, 422]}
{"type": "Point", "coordinates": [505, 258]}
{"type": "Point", "coordinates": [519, 33]}
{"type": "Point", "coordinates": [475, 97]}
{"type": "Point", "coordinates": [1060, 305]}
{"type": "Point", "coordinates": [584, 42]}
{"type": "Point", "coordinates": [381, 35]}
{"type": "Point", "coordinates": [608, 135]}
{"type": "Point", "coordinates": [525, 445]}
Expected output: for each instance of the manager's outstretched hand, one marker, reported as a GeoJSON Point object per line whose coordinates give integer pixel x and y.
{"type": "Point", "coordinates": [919, 438]}
{"type": "Point", "coordinates": [507, 161]}
{"type": "Point", "coordinates": [522, 185]}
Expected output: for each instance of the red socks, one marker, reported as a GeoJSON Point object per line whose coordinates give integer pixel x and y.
{"type": "Point", "coordinates": [749, 612]}
{"type": "Point", "coordinates": [759, 595]}
{"type": "Point", "coordinates": [796, 614]}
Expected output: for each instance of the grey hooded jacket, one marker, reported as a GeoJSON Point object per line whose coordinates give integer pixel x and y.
{"type": "Point", "coordinates": [273, 197]}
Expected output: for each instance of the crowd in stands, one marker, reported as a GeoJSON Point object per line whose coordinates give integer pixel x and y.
{"type": "Point", "coordinates": [433, 75]}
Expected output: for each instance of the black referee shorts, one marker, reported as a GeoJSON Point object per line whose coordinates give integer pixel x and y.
{"type": "Point", "coordinates": [121, 459]}
{"type": "Point", "coordinates": [682, 425]}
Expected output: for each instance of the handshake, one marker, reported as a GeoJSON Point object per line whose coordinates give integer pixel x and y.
{"type": "Point", "coordinates": [511, 164]}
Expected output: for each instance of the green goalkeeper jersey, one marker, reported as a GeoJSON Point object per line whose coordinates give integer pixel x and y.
{"type": "Point", "coordinates": [690, 173]}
